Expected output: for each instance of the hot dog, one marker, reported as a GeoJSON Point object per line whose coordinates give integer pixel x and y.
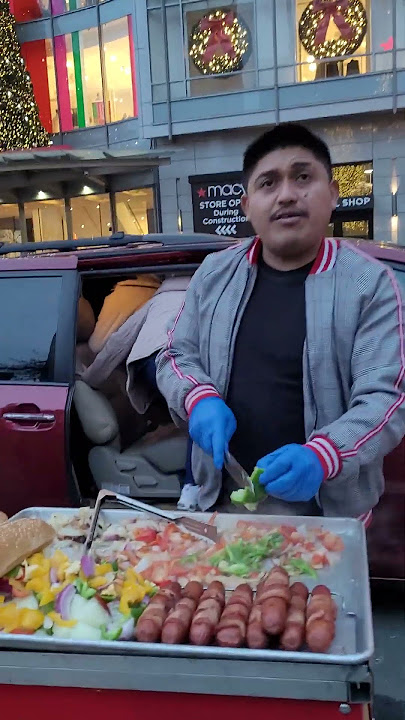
{"type": "Point", "coordinates": [150, 624]}
{"type": "Point", "coordinates": [193, 590]}
{"type": "Point", "coordinates": [256, 637]}
{"type": "Point", "coordinates": [232, 627]}
{"type": "Point", "coordinates": [321, 617]}
{"type": "Point", "coordinates": [177, 624]}
{"type": "Point", "coordinates": [294, 631]}
{"type": "Point", "coordinates": [207, 615]}
{"type": "Point", "coordinates": [273, 596]}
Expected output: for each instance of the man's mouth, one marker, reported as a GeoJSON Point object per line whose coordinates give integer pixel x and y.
{"type": "Point", "coordinates": [288, 215]}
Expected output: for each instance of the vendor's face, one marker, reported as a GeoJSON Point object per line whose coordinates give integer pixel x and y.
{"type": "Point", "coordinates": [289, 201]}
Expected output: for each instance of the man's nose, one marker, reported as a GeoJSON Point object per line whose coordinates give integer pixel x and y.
{"type": "Point", "coordinates": [287, 191]}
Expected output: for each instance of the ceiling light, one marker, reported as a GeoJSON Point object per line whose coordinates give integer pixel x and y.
{"type": "Point", "coordinates": [82, 227]}
{"type": "Point", "coordinates": [368, 171]}
{"type": "Point", "coordinates": [312, 67]}
{"type": "Point", "coordinates": [310, 58]}
{"type": "Point", "coordinates": [98, 207]}
{"type": "Point", "coordinates": [113, 58]}
{"type": "Point", "coordinates": [41, 195]}
{"type": "Point", "coordinates": [142, 218]}
{"type": "Point", "coordinates": [86, 190]}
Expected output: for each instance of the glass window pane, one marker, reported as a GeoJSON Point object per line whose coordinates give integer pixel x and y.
{"type": "Point", "coordinates": [38, 56]}
{"type": "Point", "coordinates": [78, 66]}
{"type": "Point", "coordinates": [32, 304]}
{"type": "Point", "coordinates": [10, 230]}
{"type": "Point", "coordinates": [91, 216]}
{"type": "Point", "coordinates": [220, 49]}
{"type": "Point", "coordinates": [356, 179]}
{"type": "Point", "coordinates": [326, 31]}
{"type": "Point", "coordinates": [135, 211]}
{"type": "Point", "coordinates": [119, 70]}
{"type": "Point", "coordinates": [355, 228]}
{"type": "Point", "coordinates": [59, 7]}
{"type": "Point", "coordinates": [26, 10]}
{"type": "Point", "coordinates": [45, 220]}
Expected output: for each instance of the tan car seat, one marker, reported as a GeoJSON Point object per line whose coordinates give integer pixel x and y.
{"type": "Point", "coordinates": [152, 467]}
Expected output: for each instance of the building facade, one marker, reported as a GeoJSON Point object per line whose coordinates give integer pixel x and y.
{"type": "Point", "coordinates": [141, 79]}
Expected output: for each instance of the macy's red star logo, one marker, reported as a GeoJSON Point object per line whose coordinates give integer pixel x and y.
{"type": "Point", "coordinates": [201, 192]}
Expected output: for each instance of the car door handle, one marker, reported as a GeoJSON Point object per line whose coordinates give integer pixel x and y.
{"type": "Point", "coordinates": [30, 417]}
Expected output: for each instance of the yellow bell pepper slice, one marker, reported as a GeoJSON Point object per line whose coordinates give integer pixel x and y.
{"type": "Point", "coordinates": [47, 596]}
{"type": "Point", "coordinates": [103, 569]}
{"type": "Point", "coordinates": [98, 582]}
{"type": "Point", "coordinates": [56, 618]}
{"type": "Point", "coordinates": [30, 619]}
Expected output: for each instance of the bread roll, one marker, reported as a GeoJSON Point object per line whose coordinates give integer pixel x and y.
{"type": "Point", "coordinates": [21, 538]}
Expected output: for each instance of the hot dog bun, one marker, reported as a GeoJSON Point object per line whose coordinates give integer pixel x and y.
{"type": "Point", "coordinates": [21, 538]}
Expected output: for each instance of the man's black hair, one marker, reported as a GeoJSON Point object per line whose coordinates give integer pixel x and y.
{"type": "Point", "coordinates": [283, 136]}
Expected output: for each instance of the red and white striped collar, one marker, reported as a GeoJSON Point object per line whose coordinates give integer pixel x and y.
{"type": "Point", "coordinates": [325, 260]}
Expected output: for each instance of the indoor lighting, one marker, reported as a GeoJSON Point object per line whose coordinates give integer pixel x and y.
{"type": "Point", "coordinates": [113, 58]}
{"type": "Point", "coordinates": [86, 190]}
{"type": "Point", "coordinates": [312, 67]}
{"type": "Point", "coordinates": [82, 226]}
{"type": "Point", "coordinates": [98, 207]}
{"type": "Point", "coordinates": [69, 64]}
{"type": "Point", "coordinates": [310, 58]}
{"type": "Point", "coordinates": [127, 71]}
{"type": "Point", "coordinates": [142, 218]}
{"type": "Point", "coordinates": [368, 171]}
{"type": "Point", "coordinates": [41, 195]}
{"type": "Point", "coordinates": [394, 205]}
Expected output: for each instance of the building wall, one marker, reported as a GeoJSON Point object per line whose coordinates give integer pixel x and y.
{"type": "Point", "coordinates": [380, 139]}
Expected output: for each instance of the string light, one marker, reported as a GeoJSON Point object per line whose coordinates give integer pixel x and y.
{"type": "Point", "coordinates": [350, 18]}
{"type": "Point", "coordinates": [351, 180]}
{"type": "Point", "coordinates": [20, 126]}
{"type": "Point", "coordinates": [219, 43]}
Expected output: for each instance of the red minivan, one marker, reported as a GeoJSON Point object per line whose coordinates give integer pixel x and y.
{"type": "Point", "coordinates": [44, 446]}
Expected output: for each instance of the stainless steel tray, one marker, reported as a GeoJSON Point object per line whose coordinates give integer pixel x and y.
{"type": "Point", "coordinates": [348, 580]}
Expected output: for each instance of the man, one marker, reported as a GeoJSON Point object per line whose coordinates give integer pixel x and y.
{"type": "Point", "coordinates": [290, 348]}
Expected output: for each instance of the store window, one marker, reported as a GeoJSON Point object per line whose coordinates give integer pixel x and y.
{"type": "Point", "coordinates": [80, 88]}
{"type": "Point", "coordinates": [220, 49]}
{"type": "Point", "coordinates": [45, 221]}
{"type": "Point", "coordinates": [337, 31]}
{"type": "Point", "coordinates": [10, 229]}
{"type": "Point", "coordinates": [38, 56]}
{"type": "Point", "coordinates": [26, 10]}
{"type": "Point", "coordinates": [91, 216]}
{"type": "Point", "coordinates": [353, 216]}
{"type": "Point", "coordinates": [135, 211]}
{"type": "Point", "coordinates": [120, 100]}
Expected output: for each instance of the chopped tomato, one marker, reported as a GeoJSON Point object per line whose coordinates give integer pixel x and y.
{"type": "Point", "coordinates": [163, 538]}
{"type": "Point", "coordinates": [296, 538]}
{"type": "Point", "coordinates": [287, 530]}
{"type": "Point", "coordinates": [319, 559]}
{"type": "Point", "coordinates": [146, 535]}
{"type": "Point", "coordinates": [333, 542]}
{"type": "Point", "coordinates": [309, 546]}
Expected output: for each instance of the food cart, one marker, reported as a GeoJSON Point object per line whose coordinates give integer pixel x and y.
{"type": "Point", "coordinates": [41, 677]}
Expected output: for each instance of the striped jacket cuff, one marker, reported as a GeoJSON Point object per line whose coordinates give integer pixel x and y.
{"type": "Point", "coordinates": [327, 454]}
{"type": "Point", "coordinates": [199, 393]}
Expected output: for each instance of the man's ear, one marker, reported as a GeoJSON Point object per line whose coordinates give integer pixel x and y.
{"type": "Point", "coordinates": [334, 189]}
{"type": "Point", "coordinates": [244, 201]}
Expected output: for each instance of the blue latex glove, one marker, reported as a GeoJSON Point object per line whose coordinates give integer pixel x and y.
{"type": "Point", "coordinates": [292, 473]}
{"type": "Point", "coordinates": [211, 426]}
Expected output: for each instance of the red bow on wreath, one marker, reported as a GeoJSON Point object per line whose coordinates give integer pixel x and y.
{"type": "Point", "coordinates": [219, 42]}
{"type": "Point", "coordinates": [331, 9]}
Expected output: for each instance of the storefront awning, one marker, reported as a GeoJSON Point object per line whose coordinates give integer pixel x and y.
{"type": "Point", "coordinates": [20, 170]}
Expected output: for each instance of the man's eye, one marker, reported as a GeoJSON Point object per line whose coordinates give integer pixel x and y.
{"type": "Point", "coordinates": [269, 182]}
{"type": "Point", "coordinates": [303, 176]}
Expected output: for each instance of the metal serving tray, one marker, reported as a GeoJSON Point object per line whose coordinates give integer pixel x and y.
{"type": "Point", "coordinates": [348, 580]}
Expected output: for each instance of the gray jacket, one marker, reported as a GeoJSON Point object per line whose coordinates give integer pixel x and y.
{"type": "Point", "coordinates": [353, 364]}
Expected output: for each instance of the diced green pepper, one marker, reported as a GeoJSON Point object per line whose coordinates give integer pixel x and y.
{"type": "Point", "coordinates": [84, 589]}
{"type": "Point", "coordinates": [250, 497]}
{"type": "Point", "coordinates": [14, 572]}
{"type": "Point", "coordinates": [302, 567]}
{"type": "Point", "coordinates": [114, 565]}
{"type": "Point", "coordinates": [113, 634]}
{"type": "Point", "coordinates": [136, 611]}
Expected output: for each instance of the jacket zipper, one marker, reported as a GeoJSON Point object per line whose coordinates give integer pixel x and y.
{"type": "Point", "coordinates": [252, 274]}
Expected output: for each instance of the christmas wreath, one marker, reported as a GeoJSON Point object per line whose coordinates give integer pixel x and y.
{"type": "Point", "coordinates": [219, 43]}
{"type": "Point", "coordinates": [349, 17]}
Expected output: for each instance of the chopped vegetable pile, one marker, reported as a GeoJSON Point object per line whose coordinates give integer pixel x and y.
{"type": "Point", "coordinates": [69, 599]}
{"type": "Point", "coordinates": [250, 497]}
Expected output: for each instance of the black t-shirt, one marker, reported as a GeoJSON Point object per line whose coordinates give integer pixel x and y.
{"type": "Point", "coordinates": [265, 391]}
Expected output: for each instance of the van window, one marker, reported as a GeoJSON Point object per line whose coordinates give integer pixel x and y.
{"type": "Point", "coordinates": [29, 321]}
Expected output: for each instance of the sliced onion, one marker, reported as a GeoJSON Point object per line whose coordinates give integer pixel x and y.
{"type": "Point", "coordinates": [88, 565]}
{"type": "Point", "coordinates": [64, 601]}
{"type": "Point", "coordinates": [146, 600]}
{"type": "Point", "coordinates": [128, 630]}
{"type": "Point", "coordinates": [102, 603]}
{"type": "Point", "coordinates": [53, 576]}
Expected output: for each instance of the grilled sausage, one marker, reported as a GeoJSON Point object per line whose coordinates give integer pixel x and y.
{"type": "Point", "coordinates": [321, 618]}
{"type": "Point", "coordinates": [150, 624]}
{"type": "Point", "coordinates": [294, 631]}
{"type": "Point", "coordinates": [232, 627]}
{"type": "Point", "coordinates": [177, 624]}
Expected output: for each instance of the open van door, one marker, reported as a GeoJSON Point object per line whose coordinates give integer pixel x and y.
{"type": "Point", "coordinates": [38, 301]}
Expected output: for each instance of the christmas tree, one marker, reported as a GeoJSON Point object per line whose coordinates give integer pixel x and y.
{"type": "Point", "coordinates": [20, 126]}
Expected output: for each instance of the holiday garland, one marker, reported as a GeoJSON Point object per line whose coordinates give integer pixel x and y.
{"type": "Point", "coordinates": [349, 17]}
{"type": "Point", "coordinates": [219, 43]}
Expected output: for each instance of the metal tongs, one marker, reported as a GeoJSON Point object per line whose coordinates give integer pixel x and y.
{"type": "Point", "coordinates": [210, 532]}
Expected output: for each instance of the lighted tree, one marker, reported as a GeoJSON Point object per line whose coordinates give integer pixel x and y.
{"type": "Point", "coordinates": [20, 126]}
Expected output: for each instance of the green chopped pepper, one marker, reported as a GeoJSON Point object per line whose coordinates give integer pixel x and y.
{"type": "Point", "coordinates": [84, 589]}
{"type": "Point", "coordinates": [113, 634]}
{"type": "Point", "coordinates": [250, 497]}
